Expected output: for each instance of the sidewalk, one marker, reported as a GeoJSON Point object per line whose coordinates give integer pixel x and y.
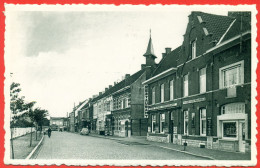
{"type": "Point", "coordinates": [202, 152]}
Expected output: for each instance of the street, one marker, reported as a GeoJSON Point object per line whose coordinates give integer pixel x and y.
{"type": "Point", "coordinates": [64, 145]}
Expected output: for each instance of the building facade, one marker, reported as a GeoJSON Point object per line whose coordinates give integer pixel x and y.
{"type": "Point", "coordinates": [199, 94]}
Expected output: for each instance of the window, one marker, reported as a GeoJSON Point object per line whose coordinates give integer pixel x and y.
{"type": "Point", "coordinates": [153, 95]}
{"type": "Point", "coordinates": [203, 122]}
{"type": "Point", "coordinates": [230, 129]}
{"type": "Point", "coordinates": [186, 122]}
{"type": "Point", "coordinates": [193, 49]}
{"type": "Point", "coordinates": [193, 120]}
{"type": "Point", "coordinates": [185, 86]}
{"type": "Point", "coordinates": [153, 122]}
{"type": "Point", "coordinates": [162, 92]}
{"type": "Point", "coordinates": [162, 121]}
{"type": "Point", "coordinates": [122, 103]}
{"type": "Point", "coordinates": [171, 90]}
{"type": "Point", "coordinates": [202, 80]}
{"type": "Point", "coordinates": [233, 108]}
{"type": "Point", "coordinates": [232, 75]}
{"type": "Point", "coordinates": [119, 125]}
{"type": "Point", "coordinates": [126, 102]}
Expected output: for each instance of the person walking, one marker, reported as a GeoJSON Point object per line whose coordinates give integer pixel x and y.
{"type": "Point", "coordinates": [49, 132]}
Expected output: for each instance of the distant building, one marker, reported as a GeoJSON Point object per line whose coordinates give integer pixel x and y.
{"type": "Point", "coordinates": [58, 122]}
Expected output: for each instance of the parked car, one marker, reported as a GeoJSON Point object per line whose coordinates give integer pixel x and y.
{"type": "Point", "coordinates": [84, 131]}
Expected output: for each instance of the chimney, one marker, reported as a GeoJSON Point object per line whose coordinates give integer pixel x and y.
{"type": "Point", "coordinates": [168, 50]}
{"type": "Point", "coordinates": [100, 93]}
{"type": "Point", "coordinates": [143, 66]}
{"type": "Point", "coordinates": [127, 75]}
{"type": "Point", "coordinates": [106, 89]}
{"type": "Point", "coordinates": [109, 86]}
{"type": "Point", "coordinates": [163, 55]}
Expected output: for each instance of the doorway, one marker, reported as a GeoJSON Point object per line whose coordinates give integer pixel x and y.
{"type": "Point", "coordinates": [241, 136]}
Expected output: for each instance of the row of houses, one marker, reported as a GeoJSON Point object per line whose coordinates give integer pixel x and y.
{"type": "Point", "coordinates": [199, 94]}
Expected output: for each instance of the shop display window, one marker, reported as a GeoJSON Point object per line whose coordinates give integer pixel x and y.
{"type": "Point", "coordinates": [229, 129]}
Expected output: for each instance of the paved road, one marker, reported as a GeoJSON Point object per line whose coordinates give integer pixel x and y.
{"type": "Point", "coordinates": [64, 145]}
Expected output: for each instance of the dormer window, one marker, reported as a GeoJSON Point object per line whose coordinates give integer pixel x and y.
{"type": "Point", "coordinates": [193, 49]}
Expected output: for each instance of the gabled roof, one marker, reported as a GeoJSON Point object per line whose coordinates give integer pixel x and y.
{"type": "Point", "coordinates": [149, 50]}
{"type": "Point", "coordinates": [216, 25]}
{"type": "Point", "coordinates": [124, 83]}
{"type": "Point", "coordinates": [235, 29]}
{"type": "Point", "coordinates": [168, 61]}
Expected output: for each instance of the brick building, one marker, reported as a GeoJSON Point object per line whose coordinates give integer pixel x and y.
{"type": "Point", "coordinates": [199, 94]}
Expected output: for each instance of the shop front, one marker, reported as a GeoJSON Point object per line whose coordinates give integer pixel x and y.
{"type": "Point", "coordinates": [232, 128]}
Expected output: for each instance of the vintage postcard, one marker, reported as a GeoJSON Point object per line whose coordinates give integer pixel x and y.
{"type": "Point", "coordinates": [129, 85]}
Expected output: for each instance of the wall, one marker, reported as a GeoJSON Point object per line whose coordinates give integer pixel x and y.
{"type": "Point", "coordinates": [17, 132]}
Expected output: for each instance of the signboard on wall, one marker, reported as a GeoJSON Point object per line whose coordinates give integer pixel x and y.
{"type": "Point", "coordinates": [146, 101]}
{"type": "Point", "coordinates": [194, 100]}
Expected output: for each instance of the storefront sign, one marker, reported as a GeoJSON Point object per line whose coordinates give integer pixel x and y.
{"type": "Point", "coordinates": [194, 100]}
{"type": "Point", "coordinates": [146, 101]}
{"type": "Point", "coordinates": [163, 106]}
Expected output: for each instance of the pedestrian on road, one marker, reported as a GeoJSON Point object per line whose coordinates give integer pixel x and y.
{"type": "Point", "coordinates": [49, 132]}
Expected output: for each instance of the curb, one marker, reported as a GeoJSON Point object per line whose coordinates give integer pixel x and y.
{"type": "Point", "coordinates": [206, 157]}
{"type": "Point", "coordinates": [35, 148]}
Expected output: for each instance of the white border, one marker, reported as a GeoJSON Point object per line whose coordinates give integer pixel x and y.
{"type": "Point", "coordinates": [252, 162]}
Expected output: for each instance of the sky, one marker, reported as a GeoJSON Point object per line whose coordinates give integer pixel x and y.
{"type": "Point", "coordinates": [65, 55]}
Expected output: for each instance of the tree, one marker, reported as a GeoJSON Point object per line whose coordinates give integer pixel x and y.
{"type": "Point", "coordinates": [37, 116]}
{"type": "Point", "coordinates": [19, 108]}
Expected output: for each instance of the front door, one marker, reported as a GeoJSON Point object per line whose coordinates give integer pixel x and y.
{"type": "Point", "coordinates": [126, 128]}
{"type": "Point", "coordinates": [241, 136]}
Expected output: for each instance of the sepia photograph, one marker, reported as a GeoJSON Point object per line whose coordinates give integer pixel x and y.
{"type": "Point", "coordinates": [128, 85]}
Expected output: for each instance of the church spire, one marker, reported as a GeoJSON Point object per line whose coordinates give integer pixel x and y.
{"type": "Point", "coordinates": [149, 51]}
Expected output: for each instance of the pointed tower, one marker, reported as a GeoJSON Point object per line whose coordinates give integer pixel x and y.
{"type": "Point", "coordinates": [149, 54]}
